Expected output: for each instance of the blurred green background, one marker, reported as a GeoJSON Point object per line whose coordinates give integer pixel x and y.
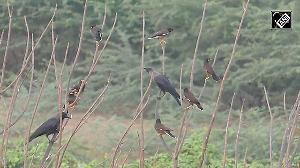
{"type": "Point", "coordinates": [263, 57]}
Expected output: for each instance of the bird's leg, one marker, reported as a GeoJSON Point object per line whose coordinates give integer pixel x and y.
{"type": "Point", "coordinates": [207, 77]}
{"type": "Point", "coordinates": [189, 106]}
{"type": "Point", "coordinates": [159, 98]}
{"type": "Point", "coordinates": [162, 42]}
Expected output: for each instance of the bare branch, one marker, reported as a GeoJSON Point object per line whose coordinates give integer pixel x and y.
{"type": "Point", "coordinates": [124, 161]}
{"type": "Point", "coordinates": [238, 134]}
{"type": "Point", "coordinates": [287, 130]}
{"type": "Point", "coordinates": [27, 59]}
{"type": "Point", "coordinates": [46, 155]}
{"type": "Point", "coordinates": [142, 143]}
{"type": "Point", "coordinates": [197, 44]}
{"type": "Point", "coordinates": [166, 146]}
{"type": "Point", "coordinates": [245, 158]}
{"type": "Point", "coordinates": [271, 127]}
{"type": "Point", "coordinates": [221, 88]}
{"type": "Point", "coordinates": [226, 132]}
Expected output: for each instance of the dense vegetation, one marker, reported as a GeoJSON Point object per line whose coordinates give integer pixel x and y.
{"type": "Point", "coordinates": [264, 57]}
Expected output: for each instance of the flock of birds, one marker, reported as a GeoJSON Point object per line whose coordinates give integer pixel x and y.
{"type": "Point", "coordinates": [52, 125]}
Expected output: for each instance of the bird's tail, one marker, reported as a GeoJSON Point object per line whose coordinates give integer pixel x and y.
{"type": "Point", "coordinates": [215, 77]}
{"type": "Point", "coordinates": [152, 37]}
{"type": "Point", "coordinates": [170, 134]}
{"type": "Point", "coordinates": [199, 106]}
{"type": "Point", "coordinates": [177, 99]}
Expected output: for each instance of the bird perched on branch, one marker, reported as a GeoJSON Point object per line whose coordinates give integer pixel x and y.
{"type": "Point", "coordinates": [97, 33]}
{"type": "Point", "coordinates": [49, 127]}
{"type": "Point", "coordinates": [164, 84]}
{"type": "Point", "coordinates": [209, 70]}
{"type": "Point", "coordinates": [191, 99]}
{"type": "Point", "coordinates": [77, 87]}
{"type": "Point", "coordinates": [162, 34]}
{"type": "Point", "coordinates": [162, 129]}
{"type": "Point", "coordinates": [72, 97]}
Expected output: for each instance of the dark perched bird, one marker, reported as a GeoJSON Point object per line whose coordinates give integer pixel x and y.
{"type": "Point", "coordinates": [164, 84]}
{"type": "Point", "coordinates": [96, 32]}
{"type": "Point", "coordinates": [191, 99]}
{"type": "Point", "coordinates": [72, 96]}
{"type": "Point", "coordinates": [50, 126]}
{"type": "Point", "coordinates": [209, 70]}
{"type": "Point", "coordinates": [162, 34]}
{"type": "Point", "coordinates": [77, 87]}
{"type": "Point", "coordinates": [162, 129]}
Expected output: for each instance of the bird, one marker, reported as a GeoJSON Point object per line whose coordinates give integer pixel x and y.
{"type": "Point", "coordinates": [209, 70]}
{"type": "Point", "coordinates": [49, 127]}
{"type": "Point", "coordinates": [162, 34]}
{"type": "Point", "coordinates": [72, 96]}
{"type": "Point", "coordinates": [77, 87]}
{"type": "Point", "coordinates": [97, 33]}
{"type": "Point", "coordinates": [162, 129]}
{"type": "Point", "coordinates": [164, 84]}
{"type": "Point", "coordinates": [191, 99]}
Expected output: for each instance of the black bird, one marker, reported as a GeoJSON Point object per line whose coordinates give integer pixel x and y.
{"type": "Point", "coordinates": [77, 87]}
{"type": "Point", "coordinates": [162, 129]}
{"type": "Point", "coordinates": [96, 32]}
{"type": "Point", "coordinates": [162, 34]}
{"type": "Point", "coordinates": [209, 70]}
{"type": "Point", "coordinates": [191, 99]}
{"type": "Point", "coordinates": [50, 126]}
{"type": "Point", "coordinates": [164, 84]}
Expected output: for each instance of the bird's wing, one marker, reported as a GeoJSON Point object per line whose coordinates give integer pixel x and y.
{"type": "Point", "coordinates": [209, 69]}
{"type": "Point", "coordinates": [162, 127]}
{"type": "Point", "coordinates": [163, 32]}
{"type": "Point", "coordinates": [164, 84]}
{"type": "Point", "coordinates": [191, 97]}
{"type": "Point", "coordinates": [47, 125]}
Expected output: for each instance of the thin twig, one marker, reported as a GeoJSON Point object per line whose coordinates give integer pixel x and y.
{"type": "Point", "coordinates": [30, 54]}
{"type": "Point", "coordinates": [245, 158]}
{"type": "Point", "coordinates": [138, 112]}
{"type": "Point", "coordinates": [284, 106]}
{"type": "Point", "coordinates": [30, 90]}
{"type": "Point", "coordinates": [292, 134]}
{"type": "Point", "coordinates": [294, 153]}
{"type": "Point", "coordinates": [7, 44]}
{"type": "Point", "coordinates": [46, 155]}
{"type": "Point", "coordinates": [163, 48]}
{"type": "Point", "coordinates": [238, 134]}
{"type": "Point", "coordinates": [142, 140]}
{"type": "Point", "coordinates": [166, 146]}
{"type": "Point", "coordinates": [197, 44]}
{"type": "Point", "coordinates": [121, 141]}
{"type": "Point", "coordinates": [271, 127]}
{"type": "Point", "coordinates": [124, 161]}
{"type": "Point", "coordinates": [34, 153]}
{"type": "Point", "coordinates": [221, 88]}
{"type": "Point", "coordinates": [226, 132]}
{"type": "Point", "coordinates": [287, 130]}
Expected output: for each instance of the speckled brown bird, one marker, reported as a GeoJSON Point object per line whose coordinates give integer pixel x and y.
{"type": "Point", "coordinates": [77, 87]}
{"type": "Point", "coordinates": [190, 97]}
{"type": "Point", "coordinates": [96, 32]}
{"type": "Point", "coordinates": [164, 84]}
{"type": "Point", "coordinates": [49, 127]}
{"type": "Point", "coordinates": [162, 129]}
{"type": "Point", "coordinates": [162, 34]}
{"type": "Point", "coordinates": [209, 70]}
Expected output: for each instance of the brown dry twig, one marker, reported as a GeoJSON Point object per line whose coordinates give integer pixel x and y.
{"type": "Point", "coordinates": [221, 88]}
